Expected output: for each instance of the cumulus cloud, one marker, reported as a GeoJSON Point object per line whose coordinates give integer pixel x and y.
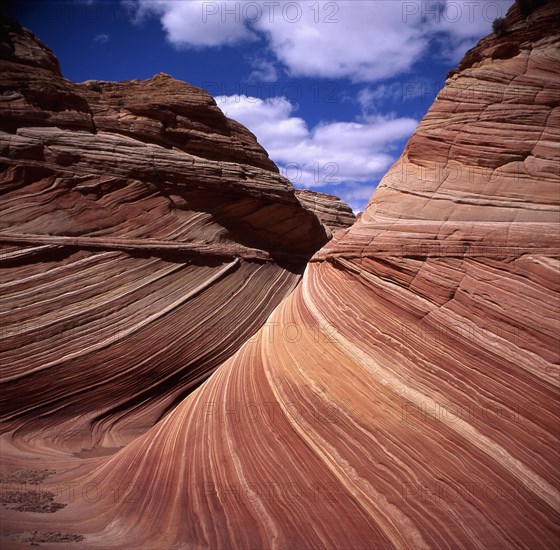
{"type": "Point", "coordinates": [342, 154]}
{"type": "Point", "coordinates": [363, 40]}
{"type": "Point", "coordinates": [194, 24]}
{"type": "Point", "coordinates": [102, 38]}
{"type": "Point", "coordinates": [354, 39]}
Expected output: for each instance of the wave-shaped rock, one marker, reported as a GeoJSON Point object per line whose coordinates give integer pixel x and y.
{"type": "Point", "coordinates": [145, 237]}
{"type": "Point", "coordinates": [406, 394]}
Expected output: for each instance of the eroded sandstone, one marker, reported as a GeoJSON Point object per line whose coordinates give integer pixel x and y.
{"type": "Point", "coordinates": [406, 394]}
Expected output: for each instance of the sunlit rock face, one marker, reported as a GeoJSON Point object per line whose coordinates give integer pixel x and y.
{"type": "Point", "coordinates": [145, 237]}
{"type": "Point", "coordinates": [406, 394]}
{"type": "Point", "coordinates": [333, 213]}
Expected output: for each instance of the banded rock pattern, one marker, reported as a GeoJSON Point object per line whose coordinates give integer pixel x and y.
{"type": "Point", "coordinates": [333, 213]}
{"type": "Point", "coordinates": [144, 237]}
{"type": "Point", "coordinates": [406, 394]}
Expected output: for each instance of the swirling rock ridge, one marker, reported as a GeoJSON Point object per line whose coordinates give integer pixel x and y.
{"type": "Point", "coordinates": [405, 395]}
{"type": "Point", "coordinates": [144, 237]}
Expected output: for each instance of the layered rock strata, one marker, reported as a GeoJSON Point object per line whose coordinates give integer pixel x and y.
{"type": "Point", "coordinates": [144, 236]}
{"type": "Point", "coordinates": [333, 213]}
{"type": "Point", "coordinates": [406, 394]}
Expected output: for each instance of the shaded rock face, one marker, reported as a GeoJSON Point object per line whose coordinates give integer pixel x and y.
{"type": "Point", "coordinates": [144, 236]}
{"type": "Point", "coordinates": [406, 394]}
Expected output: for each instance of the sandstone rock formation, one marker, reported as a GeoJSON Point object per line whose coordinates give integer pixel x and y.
{"type": "Point", "coordinates": [145, 237]}
{"type": "Point", "coordinates": [333, 213]}
{"type": "Point", "coordinates": [405, 395]}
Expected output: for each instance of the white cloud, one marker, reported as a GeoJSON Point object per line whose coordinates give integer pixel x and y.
{"type": "Point", "coordinates": [193, 23]}
{"type": "Point", "coordinates": [354, 39]}
{"type": "Point", "coordinates": [336, 153]}
{"type": "Point", "coordinates": [263, 71]}
{"type": "Point", "coordinates": [371, 97]}
{"type": "Point", "coordinates": [102, 38]}
{"type": "Point", "coordinates": [363, 40]}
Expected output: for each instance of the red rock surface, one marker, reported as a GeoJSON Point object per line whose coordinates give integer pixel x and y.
{"type": "Point", "coordinates": [145, 237]}
{"type": "Point", "coordinates": [333, 213]}
{"type": "Point", "coordinates": [406, 394]}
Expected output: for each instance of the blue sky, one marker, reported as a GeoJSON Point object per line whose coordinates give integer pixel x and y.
{"type": "Point", "coordinates": [332, 89]}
